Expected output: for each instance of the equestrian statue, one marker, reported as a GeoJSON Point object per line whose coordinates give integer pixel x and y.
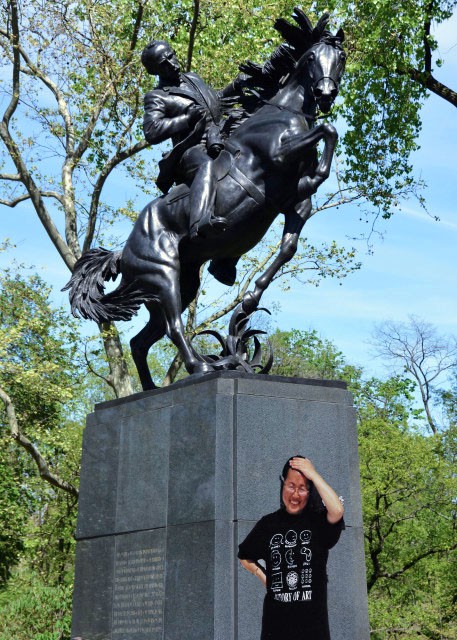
{"type": "Point", "coordinates": [240, 156]}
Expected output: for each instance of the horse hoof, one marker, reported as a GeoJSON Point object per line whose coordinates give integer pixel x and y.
{"type": "Point", "coordinates": [202, 367]}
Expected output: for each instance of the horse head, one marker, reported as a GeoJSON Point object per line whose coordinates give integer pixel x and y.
{"type": "Point", "coordinates": [322, 67]}
{"type": "Point", "coordinates": [318, 56]}
{"type": "Point", "coordinates": [325, 64]}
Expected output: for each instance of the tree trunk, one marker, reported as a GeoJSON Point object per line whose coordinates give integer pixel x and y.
{"type": "Point", "coordinates": [119, 377]}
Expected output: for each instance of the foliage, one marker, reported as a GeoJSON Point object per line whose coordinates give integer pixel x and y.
{"type": "Point", "coordinates": [39, 432]}
{"type": "Point", "coordinates": [390, 73]}
{"type": "Point", "coordinates": [32, 609]}
{"type": "Point", "coordinates": [304, 354]}
{"type": "Point", "coordinates": [37, 350]}
{"type": "Point", "coordinates": [408, 488]}
{"type": "Point", "coordinates": [13, 514]}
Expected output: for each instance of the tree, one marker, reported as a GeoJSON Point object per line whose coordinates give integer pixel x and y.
{"type": "Point", "coordinates": [408, 486]}
{"type": "Point", "coordinates": [38, 376]}
{"type": "Point", "coordinates": [304, 354]}
{"type": "Point", "coordinates": [42, 388]}
{"type": "Point", "coordinates": [390, 74]}
{"type": "Point", "coordinates": [424, 355]}
{"type": "Point", "coordinates": [71, 76]}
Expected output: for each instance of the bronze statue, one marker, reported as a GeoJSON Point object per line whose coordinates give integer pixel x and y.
{"type": "Point", "coordinates": [269, 165]}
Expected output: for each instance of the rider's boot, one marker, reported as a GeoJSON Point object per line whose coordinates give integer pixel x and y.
{"type": "Point", "coordinates": [224, 270]}
{"type": "Point", "coordinates": [203, 223]}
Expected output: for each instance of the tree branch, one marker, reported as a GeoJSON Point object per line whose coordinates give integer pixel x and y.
{"type": "Point", "coordinates": [27, 196]}
{"type": "Point", "coordinates": [15, 154]}
{"type": "Point", "coordinates": [14, 39]}
{"type": "Point", "coordinates": [41, 463]}
{"type": "Point", "coordinates": [426, 80]}
{"type": "Point", "coordinates": [193, 29]}
{"type": "Point", "coordinates": [95, 200]}
{"type": "Point", "coordinates": [15, 177]}
{"type": "Point", "coordinates": [136, 28]}
{"type": "Point", "coordinates": [427, 49]}
{"type": "Point", "coordinates": [61, 102]}
{"type": "Point", "coordinates": [415, 560]}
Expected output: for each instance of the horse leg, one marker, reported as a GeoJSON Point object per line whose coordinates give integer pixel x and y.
{"type": "Point", "coordinates": [293, 225]}
{"type": "Point", "coordinates": [140, 344]}
{"type": "Point", "coordinates": [293, 148]}
{"type": "Point", "coordinates": [170, 302]}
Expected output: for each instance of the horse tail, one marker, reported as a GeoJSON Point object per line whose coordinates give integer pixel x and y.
{"type": "Point", "coordinates": [87, 288]}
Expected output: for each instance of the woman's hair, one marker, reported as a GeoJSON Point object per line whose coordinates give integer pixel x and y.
{"type": "Point", "coordinates": [314, 501]}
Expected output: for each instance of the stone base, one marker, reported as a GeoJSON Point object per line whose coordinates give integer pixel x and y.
{"type": "Point", "coordinates": [173, 479]}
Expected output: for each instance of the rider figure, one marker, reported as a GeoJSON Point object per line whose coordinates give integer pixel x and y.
{"type": "Point", "coordinates": [184, 108]}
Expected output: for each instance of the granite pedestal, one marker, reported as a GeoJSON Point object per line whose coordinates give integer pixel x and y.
{"type": "Point", "coordinates": [173, 479]}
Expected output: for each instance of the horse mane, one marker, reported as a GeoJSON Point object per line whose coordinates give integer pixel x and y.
{"type": "Point", "coordinates": [261, 82]}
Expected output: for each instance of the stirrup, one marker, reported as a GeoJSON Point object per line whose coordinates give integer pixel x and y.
{"type": "Point", "coordinates": [213, 226]}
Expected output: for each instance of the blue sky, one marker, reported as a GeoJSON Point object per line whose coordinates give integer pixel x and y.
{"type": "Point", "coordinates": [412, 269]}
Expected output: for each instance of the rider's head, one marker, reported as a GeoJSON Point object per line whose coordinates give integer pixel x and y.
{"type": "Point", "coordinates": [159, 59]}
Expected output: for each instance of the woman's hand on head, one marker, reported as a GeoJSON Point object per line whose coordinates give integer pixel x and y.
{"type": "Point", "coordinates": [304, 466]}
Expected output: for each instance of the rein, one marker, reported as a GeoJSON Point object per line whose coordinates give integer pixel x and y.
{"type": "Point", "coordinates": [299, 113]}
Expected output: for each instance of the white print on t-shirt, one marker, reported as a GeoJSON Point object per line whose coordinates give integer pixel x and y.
{"type": "Point", "coordinates": [276, 581]}
{"type": "Point", "coordinates": [307, 553]}
{"type": "Point", "coordinates": [291, 538]}
{"type": "Point", "coordinates": [289, 555]}
{"type": "Point", "coordinates": [297, 596]}
{"type": "Point", "coordinates": [291, 573]}
{"type": "Point", "coordinates": [276, 540]}
{"type": "Point", "coordinates": [275, 559]}
{"type": "Point", "coordinates": [306, 576]}
{"type": "Point", "coordinates": [292, 579]}
{"type": "Point", "coordinates": [305, 536]}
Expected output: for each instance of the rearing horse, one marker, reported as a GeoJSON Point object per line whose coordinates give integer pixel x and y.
{"type": "Point", "coordinates": [270, 167]}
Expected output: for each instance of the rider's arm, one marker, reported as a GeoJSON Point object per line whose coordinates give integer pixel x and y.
{"type": "Point", "coordinates": [157, 127]}
{"type": "Point", "coordinates": [232, 89]}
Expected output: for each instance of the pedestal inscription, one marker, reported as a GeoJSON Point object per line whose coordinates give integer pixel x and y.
{"type": "Point", "coordinates": [138, 594]}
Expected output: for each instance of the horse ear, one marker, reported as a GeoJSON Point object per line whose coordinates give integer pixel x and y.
{"type": "Point", "coordinates": [320, 26]}
{"type": "Point", "coordinates": [340, 35]}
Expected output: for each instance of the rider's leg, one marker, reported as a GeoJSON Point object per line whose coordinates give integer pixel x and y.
{"type": "Point", "coordinates": [202, 201]}
{"type": "Point", "coordinates": [224, 270]}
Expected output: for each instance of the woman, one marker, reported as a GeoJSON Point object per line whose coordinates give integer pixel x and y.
{"type": "Point", "coordinates": [294, 542]}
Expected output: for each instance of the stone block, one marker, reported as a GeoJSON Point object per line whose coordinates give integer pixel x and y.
{"type": "Point", "coordinates": [99, 480]}
{"type": "Point", "coordinates": [173, 479]}
{"type": "Point", "coordinates": [142, 495]}
{"type": "Point", "coordinates": [199, 581]}
{"type": "Point", "coordinates": [93, 592]}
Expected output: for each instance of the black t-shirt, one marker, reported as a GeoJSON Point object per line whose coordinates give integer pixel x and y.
{"type": "Point", "coordinates": [295, 550]}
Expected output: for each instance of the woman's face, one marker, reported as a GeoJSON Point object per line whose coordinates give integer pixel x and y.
{"type": "Point", "coordinates": [295, 492]}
